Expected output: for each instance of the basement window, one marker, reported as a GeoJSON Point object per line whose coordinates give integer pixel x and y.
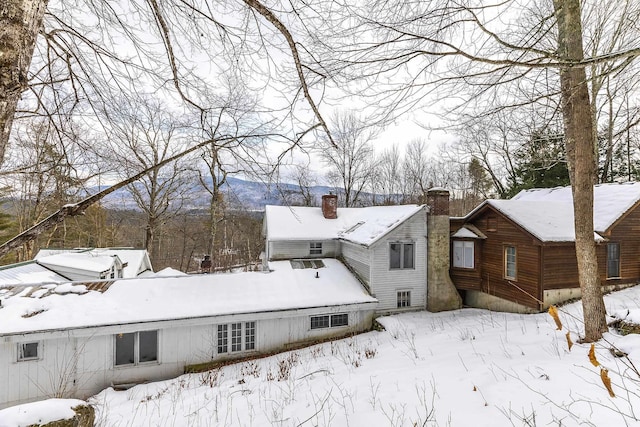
{"type": "Point", "coordinates": [28, 351]}
{"type": "Point", "coordinates": [329, 321]}
{"type": "Point", "coordinates": [404, 299]}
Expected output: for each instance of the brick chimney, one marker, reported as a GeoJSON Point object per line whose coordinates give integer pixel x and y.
{"type": "Point", "coordinates": [330, 206]}
{"type": "Point", "coordinates": [441, 292]}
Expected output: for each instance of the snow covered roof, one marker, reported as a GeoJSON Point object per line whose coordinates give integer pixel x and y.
{"type": "Point", "coordinates": [469, 231]}
{"type": "Point", "coordinates": [364, 226]}
{"type": "Point", "coordinates": [610, 202]}
{"type": "Point", "coordinates": [129, 301]}
{"type": "Point", "coordinates": [85, 261]}
{"type": "Point", "coordinates": [28, 272]}
{"type": "Point", "coordinates": [547, 213]}
{"type": "Point", "coordinates": [136, 260]}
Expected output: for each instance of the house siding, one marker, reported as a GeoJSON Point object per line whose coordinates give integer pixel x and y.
{"type": "Point", "coordinates": [358, 257]}
{"type": "Point", "coordinates": [85, 364]}
{"type": "Point", "coordinates": [500, 232]}
{"type": "Point", "coordinates": [385, 283]}
{"type": "Point", "coordinates": [279, 250]}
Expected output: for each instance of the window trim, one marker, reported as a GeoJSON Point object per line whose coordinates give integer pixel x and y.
{"type": "Point", "coordinates": [328, 321]}
{"type": "Point", "coordinates": [506, 262]}
{"type": "Point", "coordinates": [617, 260]}
{"type": "Point", "coordinates": [403, 298]}
{"type": "Point", "coordinates": [235, 343]}
{"type": "Point", "coordinates": [402, 250]}
{"type": "Point", "coordinates": [20, 351]}
{"type": "Point", "coordinates": [136, 350]}
{"type": "Point", "coordinates": [473, 254]}
{"type": "Point", "coordinates": [315, 248]}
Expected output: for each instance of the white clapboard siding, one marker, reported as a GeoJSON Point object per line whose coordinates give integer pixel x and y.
{"type": "Point", "coordinates": [359, 258]}
{"type": "Point", "coordinates": [385, 283]}
{"type": "Point", "coordinates": [300, 249]}
{"type": "Point", "coordinates": [82, 363]}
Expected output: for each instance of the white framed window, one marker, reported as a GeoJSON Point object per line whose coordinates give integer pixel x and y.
{"type": "Point", "coordinates": [401, 255]}
{"type": "Point", "coordinates": [329, 321]}
{"type": "Point", "coordinates": [239, 333]}
{"type": "Point", "coordinates": [404, 299]}
{"type": "Point", "coordinates": [510, 262]}
{"type": "Point", "coordinates": [135, 348]}
{"type": "Point", "coordinates": [28, 351]}
{"type": "Point", "coordinates": [463, 253]}
{"type": "Point", "coordinates": [613, 260]}
{"type": "Point", "coordinates": [250, 336]}
{"type": "Point", "coordinates": [315, 248]}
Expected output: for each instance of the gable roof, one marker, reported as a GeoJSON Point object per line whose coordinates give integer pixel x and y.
{"type": "Point", "coordinates": [160, 298]}
{"type": "Point", "coordinates": [547, 213]}
{"type": "Point", "coordinates": [363, 226]}
{"type": "Point", "coordinates": [135, 261]}
{"type": "Point", "coordinates": [83, 261]}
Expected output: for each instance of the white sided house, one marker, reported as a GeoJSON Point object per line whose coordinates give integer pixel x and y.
{"type": "Point", "coordinates": [384, 246]}
{"type": "Point", "coordinates": [70, 340]}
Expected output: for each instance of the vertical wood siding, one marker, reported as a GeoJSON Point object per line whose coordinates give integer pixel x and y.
{"type": "Point", "coordinates": [86, 364]}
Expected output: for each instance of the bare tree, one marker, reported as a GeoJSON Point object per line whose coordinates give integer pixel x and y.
{"type": "Point", "coordinates": [467, 50]}
{"type": "Point", "coordinates": [351, 159]}
{"type": "Point", "coordinates": [389, 181]}
{"type": "Point", "coordinates": [146, 135]}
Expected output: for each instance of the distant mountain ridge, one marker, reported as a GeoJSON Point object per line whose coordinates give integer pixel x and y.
{"type": "Point", "coordinates": [238, 194]}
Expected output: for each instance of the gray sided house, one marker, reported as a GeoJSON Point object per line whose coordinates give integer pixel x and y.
{"type": "Point", "coordinates": [384, 246]}
{"type": "Point", "coordinates": [73, 340]}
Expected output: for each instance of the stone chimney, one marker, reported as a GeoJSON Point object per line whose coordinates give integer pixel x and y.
{"type": "Point", "coordinates": [330, 206]}
{"type": "Point", "coordinates": [442, 294]}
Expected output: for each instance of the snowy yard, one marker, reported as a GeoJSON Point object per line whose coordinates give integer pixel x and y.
{"type": "Point", "coordinates": [463, 368]}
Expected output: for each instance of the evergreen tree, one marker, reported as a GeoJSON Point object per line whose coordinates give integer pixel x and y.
{"type": "Point", "coordinates": [540, 163]}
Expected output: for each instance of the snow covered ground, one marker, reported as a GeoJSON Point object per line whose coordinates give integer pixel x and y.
{"type": "Point", "coordinates": [463, 368]}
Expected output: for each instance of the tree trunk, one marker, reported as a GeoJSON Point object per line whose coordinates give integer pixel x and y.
{"type": "Point", "coordinates": [579, 139]}
{"type": "Point", "coordinates": [20, 21]}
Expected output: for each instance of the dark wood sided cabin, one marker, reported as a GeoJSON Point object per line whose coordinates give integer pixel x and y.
{"type": "Point", "coordinates": [521, 251]}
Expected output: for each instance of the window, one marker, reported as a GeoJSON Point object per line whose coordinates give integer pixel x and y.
{"type": "Point", "coordinates": [318, 322]}
{"type": "Point", "coordinates": [315, 248]}
{"type": "Point", "coordinates": [250, 336]}
{"type": "Point", "coordinates": [613, 260]}
{"type": "Point", "coordinates": [28, 351]}
{"type": "Point", "coordinates": [136, 347]}
{"type": "Point", "coordinates": [339, 320]}
{"type": "Point", "coordinates": [404, 299]}
{"type": "Point", "coordinates": [463, 254]}
{"type": "Point", "coordinates": [237, 337]}
{"type": "Point", "coordinates": [510, 262]}
{"type": "Point", "coordinates": [306, 263]}
{"type": "Point", "coordinates": [222, 338]}
{"type": "Point", "coordinates": [401, 256]}
{"type": "Point", "coordinates": [329, 321]}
